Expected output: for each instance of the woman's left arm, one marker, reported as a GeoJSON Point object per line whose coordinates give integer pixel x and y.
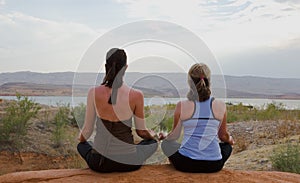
{"type": "Point", "coordinates": [90, 117]}
{"type": "Point", "coordinates": [139, 120]}
{"type": "Point", "coordinates": [223, 134]}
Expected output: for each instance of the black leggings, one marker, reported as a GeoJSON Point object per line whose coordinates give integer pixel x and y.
{"type": "Point", "coordinates": [186, 164]}
{"type": "Point", "coordinates": [100, 163]}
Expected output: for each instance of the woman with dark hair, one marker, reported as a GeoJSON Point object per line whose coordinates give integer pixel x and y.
{"type": "Point", "coordinates": [112, 106]}
{"type": "Point", "coordinates": [204, 121]}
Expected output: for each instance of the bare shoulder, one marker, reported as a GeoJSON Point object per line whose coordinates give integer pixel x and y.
{"type": "Point", "coordinates": [219, 108]}
{"type": "Point", "coordinates": [185, 104]}
{"type": "Point", "coordinates": [100, 88]}
{"type": "Point", "coordinates": [185, 108]}
{"type": "Point", "coordinates": [92, 91]}
{"type": "Point", "coordinates": [136, 94]}
{"type": "Point", "coordinates": [219, 103]}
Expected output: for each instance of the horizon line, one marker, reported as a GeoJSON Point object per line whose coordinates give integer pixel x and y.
{"type": "Point", "coordinates": [55, 72]}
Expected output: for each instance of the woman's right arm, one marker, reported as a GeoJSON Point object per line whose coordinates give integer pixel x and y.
{"type": "Point", "coordinates": [139, 120]}
{"type": "Point", "coordinates": [223, 134]}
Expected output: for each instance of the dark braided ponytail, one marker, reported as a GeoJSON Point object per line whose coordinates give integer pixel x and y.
{"type": "Point", "coordinates": [116, 61]}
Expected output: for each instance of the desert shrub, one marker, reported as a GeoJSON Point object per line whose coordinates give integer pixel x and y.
{"type": "Point", "coordinates": [171, 107]}
{"type": "Point", "coordinates": [286, 128]}
{"type": "Point", "coordinates": [272, 111]}
{"type": "Point", "coordinates": [153, 121]}
{"type": "Point", "coordinates": [78, 115]}
{"type": "Point", "coordinates": [291, 115]}
{"type": "Point", "coordinates": [167, 124]}
{"type": "Point", "coordinates": [241, 144]}
{"type": "Point", "coordinates": [231, 117]}
{"type": "Point", "coordinates": [240, 112]}
{"type": "Point", "coordinates": [155, 115]}
{"type": "Point", "coordinates": [61, 119]}
{"type": "Point", "coordinates": [160, 117]}
{"type": "Point", "coordinates": [14, 124]}
{"type": "Point", "coordinates": [147, 111]}
{"type": "Point", "coordinates": [286, 158]}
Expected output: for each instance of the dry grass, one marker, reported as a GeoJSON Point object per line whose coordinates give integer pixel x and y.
{"type": "Point", "coordinates": [241, 144]}
{"type": "Point", "coordinates": [286, 128]}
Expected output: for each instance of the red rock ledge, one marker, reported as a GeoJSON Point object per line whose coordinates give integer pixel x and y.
{"type": "Point", "coordinates": [149, 173]}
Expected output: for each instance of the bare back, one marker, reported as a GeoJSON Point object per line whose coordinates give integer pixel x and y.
{"type": "Point", "coordinates": [122, 110]}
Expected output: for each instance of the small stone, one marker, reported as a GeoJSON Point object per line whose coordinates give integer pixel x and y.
{"type": "Point", "coordinates": [249, 129]}
{"type": "Point", "coordinates": [41, 126]}
{"type": "Point", "coordinates": [263, 161]}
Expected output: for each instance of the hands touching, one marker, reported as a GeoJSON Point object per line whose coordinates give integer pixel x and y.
{"type": "Point", "coordinates": [158, 136]}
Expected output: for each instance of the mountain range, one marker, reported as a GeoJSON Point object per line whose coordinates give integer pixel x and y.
{"type": "Point", "coordinates": [160, 84]}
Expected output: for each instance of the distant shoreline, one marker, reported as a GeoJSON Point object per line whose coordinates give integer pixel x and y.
{"type": "Point", "coordinates": [278, 97]}
{"type": "Point", "coordinates": [156, 100]}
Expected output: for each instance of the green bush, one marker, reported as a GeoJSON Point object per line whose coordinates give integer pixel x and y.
{"type": "Point", "coordinates": [240, 112]}
{"type": "Point", "coordinates": [78, 115]}
{"type": "Point", "coordinates": [231, 117]}
{"type": "Point", "coordinates": [167, 124]}
{"type": "Point", "coordinates": [286, 158]}
{"type": "Point", "coordinates": [14, 124]}
{"type": "Point", "coordinates": [61, 119]}
{"type": "Point", "coordinates": [272, 111]}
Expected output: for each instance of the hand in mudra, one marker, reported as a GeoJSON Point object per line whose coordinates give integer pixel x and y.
{"type": "Point", "coordinates": [162, 135]}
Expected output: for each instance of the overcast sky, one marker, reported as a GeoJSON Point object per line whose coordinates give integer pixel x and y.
{"type": "Point", "coordinates": [254, 37]}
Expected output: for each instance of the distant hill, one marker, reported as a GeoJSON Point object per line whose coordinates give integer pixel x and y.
{"type": "Point", "coordinates": [34, 89]}
{"type": "Point", "coordinates": [161, 84]}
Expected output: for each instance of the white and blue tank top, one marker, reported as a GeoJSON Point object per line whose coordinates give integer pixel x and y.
{"type": "Point", "coordinates": [200, 140]}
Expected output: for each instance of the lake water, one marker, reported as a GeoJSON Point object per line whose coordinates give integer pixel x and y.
{"type": "Point", "coordinates": [54, 100]}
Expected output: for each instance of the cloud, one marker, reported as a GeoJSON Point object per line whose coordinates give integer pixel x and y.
{"type": "Point", "coordinates": [245, 23]}
{"type": "Point", "coordinates": [288, 1]}
{"type": "Point", "coordinates": [233, 27]}
{"type": "Point", "coordinates": [227, 27]}
{"type": "Point", "coordinates": [226, 9]}
{"type": "Point", "coordinates": [278, 62]}
{"type": "Point", "coordinates": [31, 43]}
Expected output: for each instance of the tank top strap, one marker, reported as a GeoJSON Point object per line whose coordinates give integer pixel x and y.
{"type": "Point", "coordinates": [203, 110]}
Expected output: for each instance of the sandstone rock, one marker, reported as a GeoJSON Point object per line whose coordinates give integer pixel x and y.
{"type": "Point", "coordinates": [147, 174]}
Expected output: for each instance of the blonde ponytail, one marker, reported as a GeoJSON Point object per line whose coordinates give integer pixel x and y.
{"type": "Point", "coordinates": [199, 82]}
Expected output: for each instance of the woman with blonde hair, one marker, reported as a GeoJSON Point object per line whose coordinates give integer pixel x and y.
{"type": "Point", "coordinates": [204, 121]}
